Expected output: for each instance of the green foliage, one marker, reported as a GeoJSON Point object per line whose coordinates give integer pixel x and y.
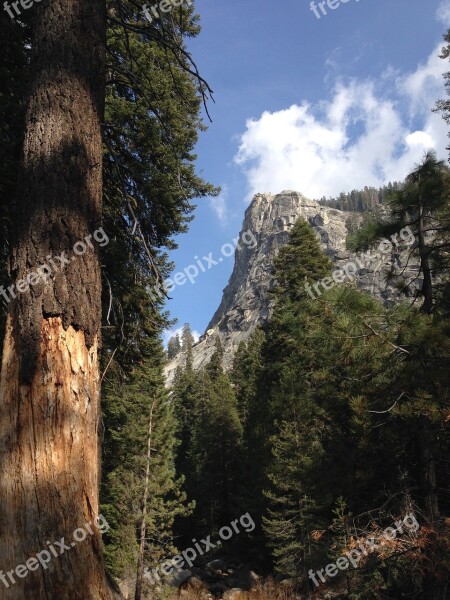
{"type": "Point", "coordinates": [246, 376]}
{"type": "Point", "coordinates": [363, 236]}
{"type": "Point", "coordinates": [361, 200]}
{"type": "Point", "coordinates": [173, 347]}
{"type": "Point", "coordinates": [210, 450]}
{"type": "Point", "coordinates": [247, 367]}
{"type": "Point", "coordinates": [292, 514]}
{"type": "Point", "coordinates": [443, 106]}
{"type": "Point", "coordinates": [420, 207]}
{"type": "Point", "coordinates": [214, 368]}
{"type": "Point", "coordinates": [354, 406]}
{"type": "Point", "coordinates": [337, 410]}
{"type": "Point", "coordinates": [215, 454]}
{"type": "Point", "coordinates": [187, 393]}
{"type": "Point", "coordinates": [187, 342]}
{"type": "Point", "coordinates": [127, 412]}
{"type": "Point", "coordinates": [152, 121]}
{"type": "Point", "coordinates": [302, 260]}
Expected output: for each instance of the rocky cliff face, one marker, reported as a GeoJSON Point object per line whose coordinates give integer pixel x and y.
{"type": "Point", "coordinates": [245, 302]}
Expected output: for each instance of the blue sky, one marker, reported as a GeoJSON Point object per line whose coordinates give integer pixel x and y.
{"type": "Point", "coordinates": [316, 105]}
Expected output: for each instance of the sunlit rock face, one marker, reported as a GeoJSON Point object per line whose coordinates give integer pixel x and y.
{"type": "Point", "coordinates": [246, 302]}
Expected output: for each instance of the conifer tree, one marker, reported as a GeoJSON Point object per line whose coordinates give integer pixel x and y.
{"type": "Point", "coordinates": [173, 347]}
{"type": "Point", "coordinates": [421, 209]}
{"type": "Point", "coordinates": [292, 515]}
{"type": "Point", "coordinates": [215, 368]}
{"type": "Point", "coordinates": [53, 330]}
{"type": "Point", "coordinates": [443, 105]}
{"type": "Point", "coordinates": [142, 493]}
{"type": "Point", "coordinates": [216, 448]}
{"type": "Point", "coordinates": [346, 381]}
{"type": "Point", "coordinates": [211, 435]}
{"type": "Point", "coordinates": [298, 265]}
{"type": "Point", "coordinates": [187, 341]}
{"type": "Point", "coordinates": [248, 367]}
{"type": "Point", "coordinates": [186, 394]}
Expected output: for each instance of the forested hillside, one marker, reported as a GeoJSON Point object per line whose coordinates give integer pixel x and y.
{"type": "Point", "coordinates": [340, 419]}
{"type": "Point", "coordinates": [361, 200]}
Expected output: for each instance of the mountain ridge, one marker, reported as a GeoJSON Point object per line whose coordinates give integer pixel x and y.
{"type": "Point", "coordinates": [245, 301]}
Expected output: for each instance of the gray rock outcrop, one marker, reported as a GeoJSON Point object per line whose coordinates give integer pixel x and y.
{"type": "Point", "coordinates": [246, 302]}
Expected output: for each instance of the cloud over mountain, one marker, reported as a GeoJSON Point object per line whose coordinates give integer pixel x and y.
{"type": "Point", "coordinates": [366, 133]}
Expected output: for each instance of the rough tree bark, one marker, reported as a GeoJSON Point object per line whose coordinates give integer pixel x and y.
{"type": "Point", "coordinates": [49, 386]}
{"type": "Point", "coordinates": [435, 584]}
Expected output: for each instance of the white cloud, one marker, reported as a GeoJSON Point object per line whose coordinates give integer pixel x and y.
{"type": "Point", "coordinates": [168, 333]}
{"type": "Point", "coordinates": [421, 139]}
{"type": "Point", "coordinates": [425, 84]}
{"type": "Point", "coordinates": [362, 135]}
{"type": "Point", "coordinates": [219, 205]}
{"type": "Point", "coordinates": [443, 12]}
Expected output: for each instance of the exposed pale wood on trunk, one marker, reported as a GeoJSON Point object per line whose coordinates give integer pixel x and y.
{"type": "Point", "coordinates": [49, 453]}
{"type": "Point", "coordinates": [49, 386]}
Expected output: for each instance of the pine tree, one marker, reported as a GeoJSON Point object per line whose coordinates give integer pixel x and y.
{"type": "Point", "coordinates": [186, 394]}
{"type": "Point", "coordinates": [215, 453]}
{"type": "Point", "coordinates": [247, 366]}
{"type": "Point", "coordinates": [152, 123]}
{"type": "Point", "coordinates": [246, 374]}
{"type": "Point", "coordinates": [343, 382]}
{"type": "Point", "coordinates": [420, 208]}
{"type": "Point", "coordinates": [142, 494]}
{"type": "Point", "coordinates": [297, 266]}
{"type": "Point", "coordinates": [443, 106]}
{"type": "Point", "coordinates": [215, 368]}
{"type": "Point", "coordinates": [154, 98]}
{"type": "Point", "coordinates": [173, 347]}
{"type": "Point", "coordinates": [211, 437]}
{"type": "Point", "coordinates": [361, 201]}
{"type": "Point", "coordinates": [187, 340]}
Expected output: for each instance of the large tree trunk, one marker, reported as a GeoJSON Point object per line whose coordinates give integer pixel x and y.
{"type": "Point", "coordinates": [435, 584]}
{"type": "Point", "coordinates": [49, 407]}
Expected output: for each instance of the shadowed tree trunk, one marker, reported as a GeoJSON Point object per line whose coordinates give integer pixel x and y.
{"type": "Point", "coordinates": [427, 285]}
{"type": "Point", "coordinates": [435, 584]}
{"type": "Point", "coordinates": [49, 410]}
